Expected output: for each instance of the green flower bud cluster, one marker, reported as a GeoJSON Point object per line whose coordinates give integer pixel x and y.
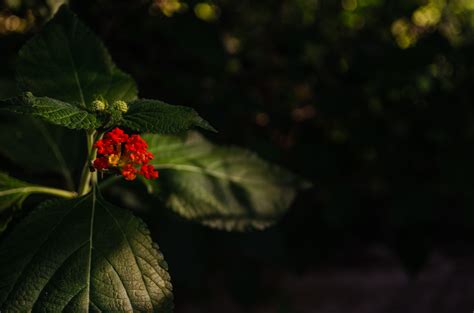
{"type": "Point", "coordinates": [98, 105]}
{"type": "Point", "coordinates": [101, 105]}
{"type": "Point", "coordinates": [121, 106]}
{"type": "Point", "coordinates": [113, 112]}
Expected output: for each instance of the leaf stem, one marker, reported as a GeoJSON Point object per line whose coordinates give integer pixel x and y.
{"type": "Point", "coordinates": [41, 189]}
{"type": "Point", "coordinates": [87, 176]}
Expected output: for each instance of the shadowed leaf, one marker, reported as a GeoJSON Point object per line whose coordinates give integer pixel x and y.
{"type": "Point", "coordinates": [222, 187]}
{"type": "Point", "coordinates": [56, 149]}
{"type": "Point", "coordinates": [12, 194]}
{"type": "Point", "coordinates": [66, 61]}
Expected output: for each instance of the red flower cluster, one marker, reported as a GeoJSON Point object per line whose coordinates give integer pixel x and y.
{"type": "Point", "coordinates": [124, 153]}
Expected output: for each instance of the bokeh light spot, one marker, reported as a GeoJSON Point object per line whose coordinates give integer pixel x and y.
{"type": "Point", "coordinates": [206, 11]}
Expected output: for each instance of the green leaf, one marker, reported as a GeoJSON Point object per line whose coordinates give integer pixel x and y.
{"type": "Point", "coordinates": [12, 194]}
{"type": "Point", "coordinates": [52, 110]}
{"type": "Point", "coordinates": [82, 255]}
{"type": "Point", "coordinates": [12, 191]}
{"type": "Point", "coordinates": [222, 187]}
{"type": "Point", "coordinates": [66, 61]}
{"type": "Point", "coordinates": [158, 117]}
{"type": "Point", "coordinates": [41, 147]}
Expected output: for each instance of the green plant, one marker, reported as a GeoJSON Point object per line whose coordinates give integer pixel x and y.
{"type": "Point", "coordinates": [82, 253]}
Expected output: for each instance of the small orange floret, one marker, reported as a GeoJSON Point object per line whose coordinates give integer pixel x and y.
{"type": "Point", "coordinates": [114, 159]}
{"type": "Point", "coordinates": [129, 172]}
{"type": "Point", "coordinates": [125, 154]}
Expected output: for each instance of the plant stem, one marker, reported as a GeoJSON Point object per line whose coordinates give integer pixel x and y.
{"type": "Point", "coordinates": [87, 175]}
{"type": "Point", "coordinates": [40, 189]}
{"type": "Point", "coordinates": [51, 191]}
{"type": "Point", "coordinates": [84, 186]}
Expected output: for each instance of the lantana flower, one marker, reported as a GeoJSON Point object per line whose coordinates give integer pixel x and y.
{"type": "Point", "coordinates": [125, 154]}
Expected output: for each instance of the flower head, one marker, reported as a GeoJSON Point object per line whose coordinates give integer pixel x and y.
{"type": "Point", "coordinates": [127, 155]}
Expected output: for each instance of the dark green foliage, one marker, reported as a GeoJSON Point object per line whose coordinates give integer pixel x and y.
{"type": "Point", "coordinates": [66, 61]}
{"type": "Point", "coordinates": [12, 191]}
{"type": "Point", "coordinates": [82, 255]}
{"type": "Point", "coordinates": [325, 89]}
{"type": "Point", "coordinates": [65, 68]}
{"type": "Point", "coordinates": [38, 147]}
{"type": "Point", "coordinates": [12, 194]}
{"type": "Point", "coordinates": [222, 187]}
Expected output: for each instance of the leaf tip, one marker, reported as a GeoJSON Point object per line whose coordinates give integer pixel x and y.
{"type": "Point", "coordinates": [306, 184]}
{"type": "Point", "coordinates": [207, 126]}
{"type": "Point", "coordinates": [63, 8]}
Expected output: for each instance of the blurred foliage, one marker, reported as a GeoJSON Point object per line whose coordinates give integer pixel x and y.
{"type": "Point", "coordinates": [167, 7]}
{"type": "Point", "coordinates": [452, 19]}
{"type": "Point", "coordinates": [370, 99]}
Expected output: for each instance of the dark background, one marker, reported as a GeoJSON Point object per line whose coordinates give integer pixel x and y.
{"type": "Point", "coordinates": [371, 100]}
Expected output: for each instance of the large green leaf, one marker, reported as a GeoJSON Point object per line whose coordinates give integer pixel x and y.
{"type": "Point", "coordinates": [66, 61]}
{"type": "Point", "coordinates": [223, 187]}
{"type": "Point", "coordinates": [41, 147]}
{"type": "Point", "coordinates": [158, 117]}
{"type": "Point", "coordinates": [53, 111]}
{"type": "Point", "coordinates": [82, 255]}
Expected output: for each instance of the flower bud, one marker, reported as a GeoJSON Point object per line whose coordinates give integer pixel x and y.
{"type": "Point", "coordinates": [98, 105]}
{"type": "Point", "coordinates": [121, 106]}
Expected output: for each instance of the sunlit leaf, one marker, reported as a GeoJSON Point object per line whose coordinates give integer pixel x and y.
{"type": "Point", "coordinates": [52, 110]}
{"type": "Point", "coordinates": [222, 187]}
{"type": "Point", "coordinates": [82, 255]}
{"type": "Point", "coordinates": [158, 117]}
